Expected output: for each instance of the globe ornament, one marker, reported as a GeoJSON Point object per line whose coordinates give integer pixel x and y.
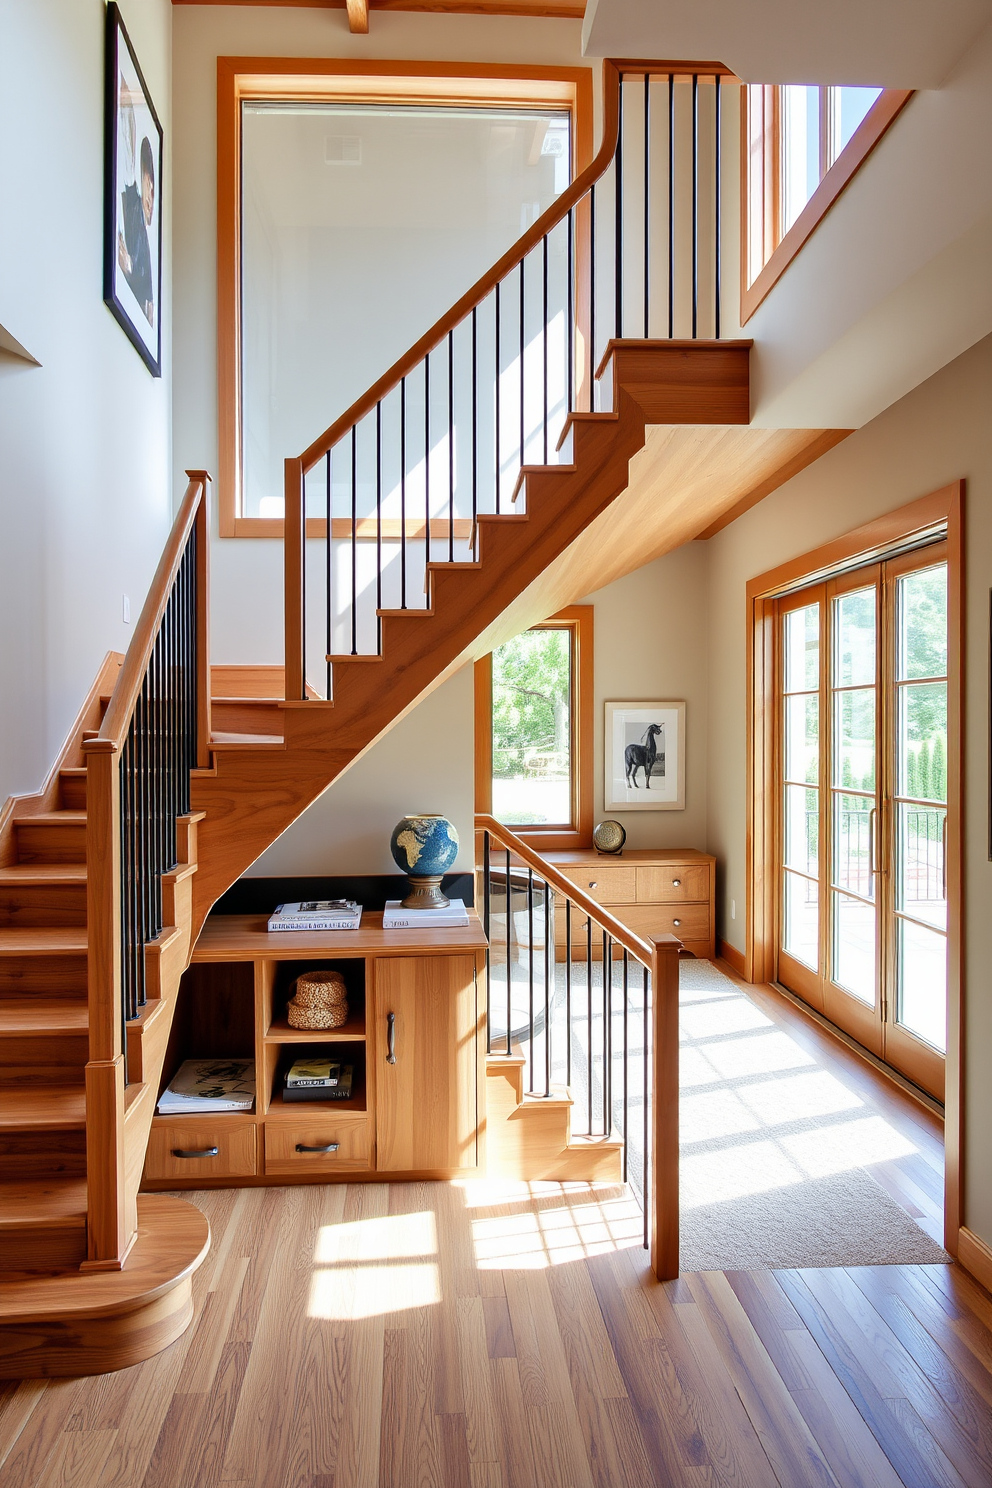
{"type": "Point", "coordinates": [424, 847]}
{"type": "Point", "coordinates": [609, 837]}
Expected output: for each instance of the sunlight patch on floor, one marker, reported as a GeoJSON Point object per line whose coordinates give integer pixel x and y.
{"type": "Point", "coordinates": [395, 1274]}
{"type": "Point", "coordinates": [549, 1224]}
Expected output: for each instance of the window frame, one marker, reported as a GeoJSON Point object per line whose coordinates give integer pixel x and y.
{"type": "Point", "coordinates": [579, 620]}
{"type": "Point", "coordinates": [243, 79]}
{"type": "Point", "coordinates": [781, 248]}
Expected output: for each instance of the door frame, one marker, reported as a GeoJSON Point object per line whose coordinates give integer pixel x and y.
{"type": "Point", "coordinates": [937, 515]}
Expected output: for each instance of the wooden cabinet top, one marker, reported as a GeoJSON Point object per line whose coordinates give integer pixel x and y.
{"type": "Point", "coordinates": [245, 938]}
{"type": "Point", "coordinates": [640, 856]}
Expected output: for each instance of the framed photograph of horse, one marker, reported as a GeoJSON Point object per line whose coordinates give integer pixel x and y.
{"type": "Point", "coordinates": [644, 757]}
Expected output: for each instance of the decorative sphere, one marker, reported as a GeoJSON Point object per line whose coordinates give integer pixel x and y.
{"type": "Point", "coordinates": [424, 846]}
{"type": "Point", "coordinates": [609, 837]}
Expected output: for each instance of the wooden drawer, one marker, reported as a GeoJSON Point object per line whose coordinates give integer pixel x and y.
{"type": "Point", "coordinates": [612, 884]}
{"type": "Point", "coordinates": [235, 1144]}
{"type": "Point", "coordinates": [348, 1134]}
{"type": "Point", "coordinates": [673, 883]}
{"type": "Point", "coordinates": [643, 919]}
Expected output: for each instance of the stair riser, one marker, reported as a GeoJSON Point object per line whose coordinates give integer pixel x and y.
{"type": "Point", "coordinates": [33, 906]}
{"type": "Point", "coordinates": [246, 718]}
{"type": "Point", "coordinates": [72, 792]}
{"type": "Point", "coordinates": [61, 843]}
{"type": "Point", "coordinates": [43, 976]}
{"type": "Point", "coordinates": [42, 1154]}
{"type": "Point", "coordinates": [38, 1059]}
{"type": "Point", "coordinates": [42, 1249]}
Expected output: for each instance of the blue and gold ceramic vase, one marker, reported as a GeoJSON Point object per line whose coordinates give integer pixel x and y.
{"type": "Point", "coordinates": [424, 847]}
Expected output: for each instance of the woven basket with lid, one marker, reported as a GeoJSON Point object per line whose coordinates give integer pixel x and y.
{"type": "Point", "coordinates": [320, 1000]}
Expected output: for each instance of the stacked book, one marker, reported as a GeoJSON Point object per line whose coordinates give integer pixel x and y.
{"type": "Point", "coordinates": [317, 1080]}
{"type": "Point", "coordinates": [317, 914]}
{"type": "Point", "coordinates": [395, 917]}
{"type": "Point", "coordinates": [203, 1085]}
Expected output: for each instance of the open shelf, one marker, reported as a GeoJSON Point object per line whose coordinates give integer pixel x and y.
{"type": "Point", "coordinates": [305, 1110]}
{"type": "Point", "coordinates": [280, 1032]}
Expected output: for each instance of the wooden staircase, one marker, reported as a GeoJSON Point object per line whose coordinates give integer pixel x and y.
{"type": "Point", "coordinates": [531, 1136]}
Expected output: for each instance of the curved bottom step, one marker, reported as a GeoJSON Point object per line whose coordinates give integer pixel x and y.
{"type": "Point", "coordinates": [93, 1322]}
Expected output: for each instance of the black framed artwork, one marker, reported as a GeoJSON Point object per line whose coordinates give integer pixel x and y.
{"type": "Point", "coordinates": [132, 232]}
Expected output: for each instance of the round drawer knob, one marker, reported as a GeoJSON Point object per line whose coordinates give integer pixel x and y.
{"type": "Point", "coordinates": [676, 922]}
{"type": "Point", "coordinates": [593, 884]}
{"type": "Point", "coordinates": [676, 883]}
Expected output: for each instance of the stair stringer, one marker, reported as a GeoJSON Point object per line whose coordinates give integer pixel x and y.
{"type": "Point", "coordinates": [252, 794]}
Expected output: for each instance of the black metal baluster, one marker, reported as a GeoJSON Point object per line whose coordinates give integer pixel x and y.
{"type": "Point", "coordinates": [354, 542]}
{"type": "Point", "coordinates": [545, 243]}
{"type": "Point", "coordinates": [626, 1058]}
{"type": "Point", "coordinates": [548, 971]}
{"type": "Point", "coordinates": [328, 555]}
{"type": "Point", "coordinates": [451, 446]}
{"type": "Point", "coordinates": [717, 249]}
{"type": "Point", "coordinates": [475, 431]}
{"type": "Point", "coordinates": [589, 1018]}
{"type": "Point", "coordinates": [486, 922]}
{"type": "Point", "coordinates": [568, 991]}
{"type": "Point", "coordinates": [378, 528]}
{"type": "Point", "coordinates": [570, 315]}
{"type": "Point", "coordinates": [522, 262]}
{"type": "Point", "coordinates": [671, 205]}
{"type": "Point", "coordinates": [695, 201]}
{"type": "Point", "coordinates": [402, 493]}
{"type": "Point", "coordinates": [509, 943]}
{"type": "Point", "coordinates": [607, 1034]}
{"type": "Point", "coordinates": [530, 971]}
{"type": "Point", "coordinates": [497, 429]}
{"type": "Point", "coordinates": [618, 219]}
{"type": "Point", "coordinates": [647, 195]}
{"type": "Point", "coordinates": [427, 475]}
{"type": "Point", "coordinates": [592, 297]}
{"type": "Point", "coordinates": [645, 1177]}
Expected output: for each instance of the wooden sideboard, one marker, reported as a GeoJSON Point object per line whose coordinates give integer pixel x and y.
{"type": "Point", "coordinates": [654, 891]}
{"type": "Point", "coordinates": [416, 1117]}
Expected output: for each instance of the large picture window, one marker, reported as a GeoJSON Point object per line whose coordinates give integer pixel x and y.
{"type": "Point", "coordinates": [534, 731]}
{"type": "Point", "coordinates": [354, 210]}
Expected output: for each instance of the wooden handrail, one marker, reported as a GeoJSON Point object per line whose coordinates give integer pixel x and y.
{"type": "Point", "coordinates": [117, 719]}
{"type": "Point", "coordinates": [473, 297]}
{"type": "Point", "coordinates": [643, 950]}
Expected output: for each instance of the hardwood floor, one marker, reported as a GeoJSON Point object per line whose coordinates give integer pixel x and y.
{"type": "Point", "coordinates": [510, 1336]}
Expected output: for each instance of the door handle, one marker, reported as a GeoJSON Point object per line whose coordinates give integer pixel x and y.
{"type": "Point", "coordinates": [329, 1147]}
{"type": "Point", "coordinates": [872, 859]}
{"type": "Point", "coordinates": [195, 1151]}
{"type": "Point", "coordinates": [943, 855]}
{"type": "Point", "coordinates": [391, 1038]}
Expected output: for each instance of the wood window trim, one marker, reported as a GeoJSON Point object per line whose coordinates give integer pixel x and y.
{"type": "Point", "coordinates": [941, 511]}
{"type": "Point", "coordinates": [579, 619]}
{"type": "Point", "coordinates": [880, 117]}
{"type": "Point", "coordinates": [316, 78]}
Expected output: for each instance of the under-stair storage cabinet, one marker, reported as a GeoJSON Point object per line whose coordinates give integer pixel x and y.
{"type": "Point", "coordinates": [415, 1038]}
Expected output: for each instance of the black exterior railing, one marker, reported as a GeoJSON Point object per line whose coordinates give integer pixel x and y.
{"type": "Point", "coordinates": [398, 483]}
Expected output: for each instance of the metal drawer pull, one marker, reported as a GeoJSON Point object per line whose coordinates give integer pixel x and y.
{"type": "Point", "coordinates": [391, 1036]}
{"type": "Point", "coordinates": [329, 1147]}
{"type": "Point", "coordinates": [195, 1151]}
{"type": "Point", "coordinates": [676, 922]}
{"type": "Point", "coordinates": [676, 883]}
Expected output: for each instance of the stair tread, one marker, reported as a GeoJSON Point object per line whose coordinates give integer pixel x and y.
{"type": "Point", "coordinates": [239, 741]}
{"type": "Point", "coordinates": [44, 940]}
{"type": "Point", "coordinates": [38, 1016]}
{"type": "Point", "coordinates": [29, 1203]}
{"type": "Point", "coordinates": [30, 875]}
{"type": "Point", "coordinates": [52, 819]}
{"type": "Point", "coordinates": [39, 1107]}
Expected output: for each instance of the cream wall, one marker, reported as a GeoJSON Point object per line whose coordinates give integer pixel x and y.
{"type": "Point", "coordinates": [941, 431]}
{"type": "Point", "coordinates": [85, 481]}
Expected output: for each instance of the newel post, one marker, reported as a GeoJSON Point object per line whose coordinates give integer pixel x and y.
{"type": "Point", "coordinates": [294, 542]}
{"type": "Point", "coordinates": [111, 1221]}
{"type": "Point", "coordinates": [663, 1190]}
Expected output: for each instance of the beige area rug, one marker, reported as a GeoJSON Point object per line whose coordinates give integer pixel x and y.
{"type": "Point", "coordinates": [775, 1148]}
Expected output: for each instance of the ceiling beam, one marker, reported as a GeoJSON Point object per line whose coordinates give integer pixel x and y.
{"type": "Point", "coordinates": [358, 16]}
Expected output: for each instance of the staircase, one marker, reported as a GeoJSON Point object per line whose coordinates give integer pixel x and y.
{"type": "Point", "coordinates": [177, 775]}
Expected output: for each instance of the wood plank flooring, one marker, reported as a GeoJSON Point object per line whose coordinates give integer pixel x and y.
{"type": "Point", "coordinates": [510, 1336]}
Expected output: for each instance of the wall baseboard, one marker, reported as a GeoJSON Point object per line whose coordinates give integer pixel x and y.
{"type": "Point", "coordinates": [733, 957]}
{"type": "Point", "coordinates": [975, 1256]}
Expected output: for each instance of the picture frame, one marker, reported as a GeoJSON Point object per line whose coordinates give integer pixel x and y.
{"type": "Point", "coordinates": [132, 198]}
{"type": "Point", "coordinates": [644, 757]}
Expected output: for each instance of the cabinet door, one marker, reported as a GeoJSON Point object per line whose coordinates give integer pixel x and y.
{"type": "Point", "coordinates": [426, 1048]}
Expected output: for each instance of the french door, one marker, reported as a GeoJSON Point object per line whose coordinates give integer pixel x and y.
{"type": "Point", "coordinates": [861, 724]}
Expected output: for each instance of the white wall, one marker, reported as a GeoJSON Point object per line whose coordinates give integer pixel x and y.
{"type": "Point", "coordinates": [938, 433]}
{"type": "Point", "coordinates": [85, 483]}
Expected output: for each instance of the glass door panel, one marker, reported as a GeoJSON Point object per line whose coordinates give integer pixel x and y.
{"type": "Point", "coordinates": [800, 804]}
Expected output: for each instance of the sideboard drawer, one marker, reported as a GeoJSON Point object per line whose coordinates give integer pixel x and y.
{"type": "Point", "coordinates": [673, 884]}
{"type": "Point", "coordinates": [611, 884]}
{"type": "Point", "coordinates": [184, 1149]}
{"type": "Point", "coordinates": [301, 1146]}
{"type": "Point", "coordinates": [687, 921]}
